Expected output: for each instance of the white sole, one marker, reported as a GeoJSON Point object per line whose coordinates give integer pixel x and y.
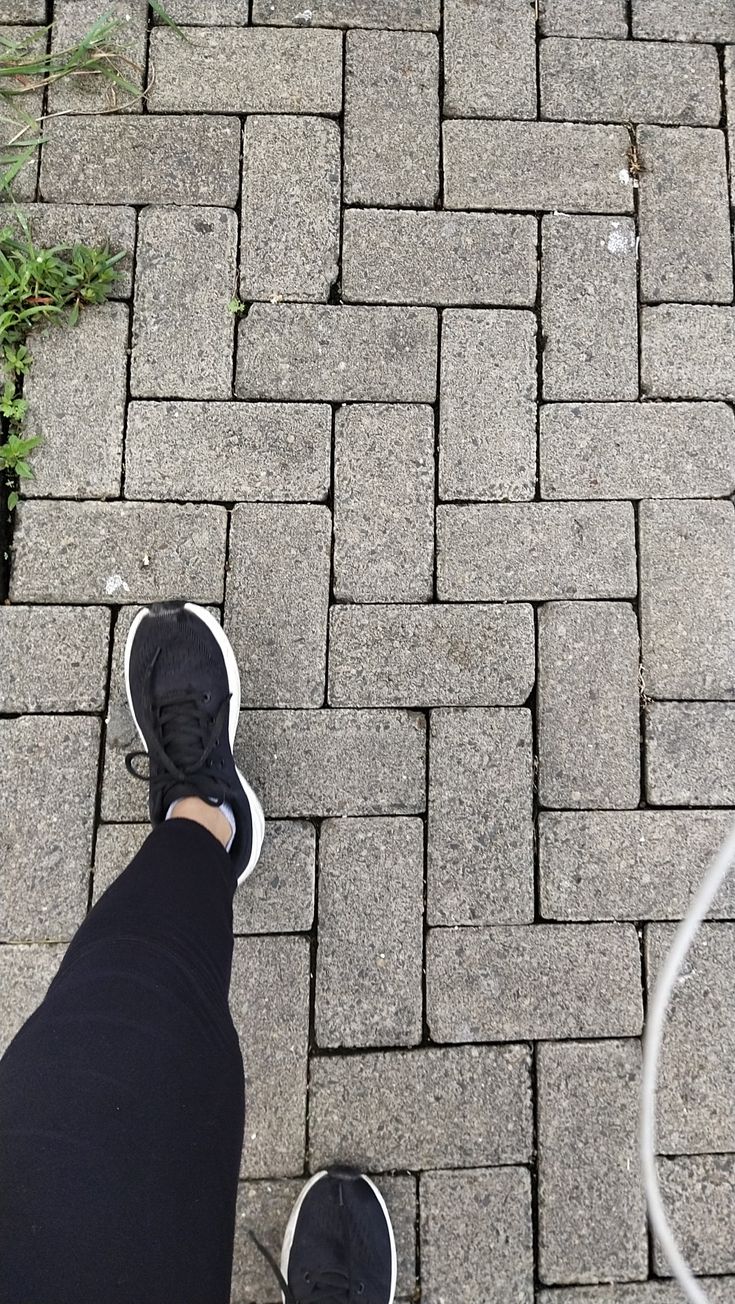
{"type": "Point", "coordinates": [257, 818]}
{"type": "Point", "coordinates": [291, 1229]}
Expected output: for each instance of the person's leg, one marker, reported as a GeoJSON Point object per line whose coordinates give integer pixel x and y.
{"type": "Point", "coordinates": [121, 1098]}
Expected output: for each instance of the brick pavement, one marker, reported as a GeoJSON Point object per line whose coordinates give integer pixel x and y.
{"type": "Point", "coordinates": [459, 485]}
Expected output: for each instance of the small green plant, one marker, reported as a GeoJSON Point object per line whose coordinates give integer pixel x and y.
{"type": "Point", "coordinates": [166, 19]}
{"type": "Point", "coordinates": [14, 459]}
{"type": "Point", "coordinates": [27, 66]}
{"type": "Point", "coordinates": [12, 407]}
{"type": "Point", "coordinates": [38, 287]}
{"type": "Point", "coordinates": [236, 306]}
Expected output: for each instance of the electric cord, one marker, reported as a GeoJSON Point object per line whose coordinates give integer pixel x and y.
{"type": "Point", "coordinates": [657, 1010]}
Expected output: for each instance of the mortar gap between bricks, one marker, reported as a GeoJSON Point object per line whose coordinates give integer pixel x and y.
{"type": "Point", "coordinates": [331, 503]}
{"type": "Point", "coordinates": [436, 410]}
{"type": "Point", "coordinates": [97, 817]}
{"type": "Point", "coordinates": [312, 1048]}
{"type": "Point", "coordinates": [129, 355]}
{"type": "Point", "coordinates": [242, 312]}
{"type": "Point", "coordinates": [440, 35]}
{"type": "Point", "coordinates": [534, 1170]}
{"type": "Point", "coordinates": [425, 1031]}
{"type": "Point", "coordinates": [533, 704]}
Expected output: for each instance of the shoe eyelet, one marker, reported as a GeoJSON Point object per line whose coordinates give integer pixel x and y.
{"type": "Point", "coordinates": [360, 1288]}
{"type": "Point", "coordinates": [206, 697]}
{"type": "Point", "coordinates": [307, 1277]}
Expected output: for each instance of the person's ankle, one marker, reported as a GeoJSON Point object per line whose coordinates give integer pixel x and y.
{"type": "Point", "coordinates": [210, 817]}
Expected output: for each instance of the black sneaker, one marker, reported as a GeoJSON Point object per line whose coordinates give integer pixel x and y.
{"type": "Point", "coordinates": [339, 1246]}
{"type": "Point", "coordinates": [183, 690]}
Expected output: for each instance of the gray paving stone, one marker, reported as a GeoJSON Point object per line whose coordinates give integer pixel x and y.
{"type": "Point", "coordinates": [277, 600]}
{"type": "Point", "coordinates": [47, 801]}
{"type": "Point", "coordinates": [595, 18]}
{"type": "Point", "coordinates": [489, 59]}
{"type": "Point", "coordinates": [637, 450]}
{"type": "Point", "coordinates": [120, 552]}
{"type": "Point", "coordinates": [588, 705]}
{"type": "Point", "coordinates": [589, 308]}
{"type": "Point", "coordinates": [76, 392]}
{"type": "Point", "coordinates": [508, 552]}
{"type": "Point", "coordinates": [684, 20]}
{"type": "Point", "coordinates": [479, 865]}
{"type": "Point", "coordinates": [206, 13]}
{"type": "Point", "coordinates": [690, 753]}
{"type": "Point", "coordinates": [14, 129]}
{"type": "Point", "coordinates": [720, 1290]}
{"type": "Point", "coordinates": [697, 1191]}
{"type": "Point", "coordinates": [686, 247]}
{"type": "Point", "coordinates": [383, 504]}
{"type": "Point", "coordinates": [431, 655]}
{"type": "Point", "coordinates": [369, 961]}
{"type": "Point", "coordinates": [688, 351]}
{"type": "Point", "coordinates": [278, 896]}
{"type": "Point", "coordinates": [541, 982]}
{"type": "Point", "coordinates": [35, 677]}
{"type": "Point", "coordinates": [592, 1224]}
{"type": "Point", "coordinates": [419, 15]}
{"type": "Point", "coordinates": [23, 11]}
{"type": "Point", "coordinates": [183, 330]}
{"type": "Point", "coordinates": [397, 256]}
{"type": "Point", "coordinates": [391, 120]}
{"type": "Point", "coordinates": [99, 225]}
{"type": "Point", "coordinates": [400, 1195]}
{"type": "Point", "coordinates": [335, 762]}
{"type": "Point", "coordinates": [629, 81]}
{"type": "Point", "coordinates": [537, 165]}
{"type": "Point", "coordinates": [430, 1108]}
{"type": "Point", "coordinates": [628, 864]}
{"type": "Point", "coordinates": [487, 431]}
{"type": "Point", "coordinates": [687, 567]}
{"type": "Point", "coordinates": [123, 797]}
{"type": "Point", "coordinates": [730, 108]}
{"type": "Point", "coordinates": [338, 354]}
{"type": "Point", "coordinates": [266, 1206]}
{"type": "Point", "coordinates": [696, 1093]}
{"type": "Point", "coordinates": [289, 238]}
{"type": "Point", "coordinates": [269, 999]}
{"type": "Point", "coordinates": [141, 159]}
{"type": "Point", "coordinates": [246, 70]}
{"type": "Point", "coordinates": [71, 23]}
{"type": "Point", "coordinates": [476, 1237]}
{"type": "Point", "coordinates": [25, 973]}
{"type": "Point", "coordinates": [246, 451]}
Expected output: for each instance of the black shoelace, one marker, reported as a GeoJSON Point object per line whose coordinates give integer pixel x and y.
{"type": "Point", "coordinates": [183, 735]}
{"type": "Point", "coordinates": [329, 1287]}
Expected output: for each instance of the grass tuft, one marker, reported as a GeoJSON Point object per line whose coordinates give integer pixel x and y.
{"type": "Point", "coordinates": [27, 66]}
{"type": "Point", "coordinates": [38, 287]}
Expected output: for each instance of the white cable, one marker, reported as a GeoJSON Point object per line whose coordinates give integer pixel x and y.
{"type": "Point", "coordinates": [685, 934]}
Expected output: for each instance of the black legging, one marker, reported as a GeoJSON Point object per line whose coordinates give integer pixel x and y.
{"type": "Point", "coordinates": [122, 1097]}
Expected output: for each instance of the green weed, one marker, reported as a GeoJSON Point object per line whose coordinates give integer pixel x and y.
{"type": "Point", "coordinates": [14, 460]}
{"type": "Point", "coordinates": [166, 19]}
{"type": "Point", "coordinates": [27, 66]}
{"type": "Point", "coordinates": [39, 287]}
